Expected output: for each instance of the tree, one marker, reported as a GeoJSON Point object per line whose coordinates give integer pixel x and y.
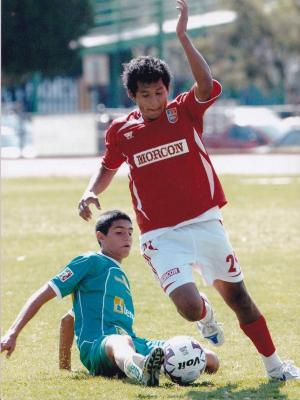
{"type": "Point", "coordinates": [256, 48]}
{"type": "Point", "coordinates": [38, 36]}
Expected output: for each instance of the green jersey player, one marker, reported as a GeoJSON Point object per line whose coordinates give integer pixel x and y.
{"type": "Point", "coordinates": [103, 309]}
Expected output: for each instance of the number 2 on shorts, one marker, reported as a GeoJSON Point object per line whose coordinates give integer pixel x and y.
{"type": "Point", "coordinates": [231, 258]}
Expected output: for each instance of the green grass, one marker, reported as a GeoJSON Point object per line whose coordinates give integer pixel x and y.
{"type": "Point", "coordinates": [41, 232]}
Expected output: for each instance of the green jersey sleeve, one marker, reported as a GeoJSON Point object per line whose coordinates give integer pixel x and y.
{"type": "Point", "coordinates": [66, 281]}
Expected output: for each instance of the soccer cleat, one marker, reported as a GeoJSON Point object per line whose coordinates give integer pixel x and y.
{"type": "Point", "coordinates": [285, 372]}
{"type": "Point", "coordinates": [209, 327]}
{"type": "Point", "coordinates": [152, 366]}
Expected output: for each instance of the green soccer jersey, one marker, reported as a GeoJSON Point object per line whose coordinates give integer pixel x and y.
{"type": "Point", "coordinates": [102, 300]}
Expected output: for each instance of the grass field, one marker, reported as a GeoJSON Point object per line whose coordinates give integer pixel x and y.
{"type": "Point", "coordinates": [41, 232]}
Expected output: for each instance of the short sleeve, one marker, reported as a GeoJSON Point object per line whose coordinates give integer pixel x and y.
{"type": "Point", "coordinates": [197, 107]}
{"type": "Point", "coordinates": [113, 157]}
{"type": "Point", "coordinates": [69, 278]}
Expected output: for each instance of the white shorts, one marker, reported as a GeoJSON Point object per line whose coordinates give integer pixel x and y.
{"type": "Point", "coordinates": [202, 246]}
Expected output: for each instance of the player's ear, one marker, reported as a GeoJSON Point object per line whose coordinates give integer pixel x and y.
{"type": "Point", "coordinates": [100, 236]}
{"type": "Point", "coordinates": [131, 95]}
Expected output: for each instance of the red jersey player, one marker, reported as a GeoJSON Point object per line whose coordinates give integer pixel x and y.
{"type": "Point", "coordinates": [177, 196]}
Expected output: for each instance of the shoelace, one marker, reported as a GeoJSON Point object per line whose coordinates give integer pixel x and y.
{"type": "Point", "coordinates": [289, 366]}
{"type": "Point", "coordinates": [213, 324]}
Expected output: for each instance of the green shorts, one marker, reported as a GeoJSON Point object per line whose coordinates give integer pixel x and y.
{"type": "Point", "coordinates": [93, 355]}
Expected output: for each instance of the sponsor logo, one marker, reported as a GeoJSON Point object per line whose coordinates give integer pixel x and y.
{"type": "Point", "coordinates": [120, 307]}
{"type": "Point", "coordinates": [188, 363]}
{"type": "Point", "coordinates": [159, 153]}
{"type": "Point", "coordinates": [172, 115]}
{"type": "Point", "coordinates": [184, 350]}
{"type": "Point", "coordinates": [128, 135]}
{"type": "Point", "coordinates": [65, 274]}
{"type": "Point", "coordinates": [168, 274]}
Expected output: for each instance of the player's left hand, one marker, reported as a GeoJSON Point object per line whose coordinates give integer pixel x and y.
{"type": "Point", "coordinates": [183, 17]}
{"type": "Point", "coordinates": [8, 344]}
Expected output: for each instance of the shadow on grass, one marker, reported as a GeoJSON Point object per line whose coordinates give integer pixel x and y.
{"type": "Point", "coordinates": [266, 391]}
{"type": "Point", "coordinates": [205, 390]}
{"type": "Point", "coordinates": [269, 390]}
{"type": "Point", "coordinates": [80, 375]}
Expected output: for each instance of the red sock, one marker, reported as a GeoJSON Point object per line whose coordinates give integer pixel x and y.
{"type": "Point", "coordinates": [259, 333]}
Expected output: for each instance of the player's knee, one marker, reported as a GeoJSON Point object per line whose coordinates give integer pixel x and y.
{"type": "Point", "coordinates": [129, 341]}
{"type": "Point", "coordinates": [67, 319]}
{"type": "Point", "coordinates": [67, 324]}
{"type": "Point", "coordinates": [114, 343]}
{"type": "Point", "coordinates": [118, 340]}
{"type": "Point", "coordinates": [188, 301]}
{"type": "Point", "coordinates": [212, 362]}
{"type": "Point", "coordinates": [190, 310]}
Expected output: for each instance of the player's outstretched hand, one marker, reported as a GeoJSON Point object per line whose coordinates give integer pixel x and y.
{"type": "Point", "coordinates": [183, 17]}
{"type": "Point", "coordinates": [83, 206]}
{"type": "Point", "coordinates": [8, 344]}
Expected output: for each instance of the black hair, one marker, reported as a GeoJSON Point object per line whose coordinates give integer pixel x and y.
{"type": "Point", "coordinates": [145, 69]}
{"type": "Point", "coordinates": [106, 219]}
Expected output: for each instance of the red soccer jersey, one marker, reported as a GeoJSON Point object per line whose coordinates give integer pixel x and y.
{"type": "Point", "coordinates": [171, 177]}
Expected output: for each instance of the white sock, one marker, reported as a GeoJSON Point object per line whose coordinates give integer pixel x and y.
{"type": "Point", "coordinates": [271, 362]}
{"type": "Point", "coordinates": [132, 370]}
{"type": "Point", "coordinates": [139, 360]}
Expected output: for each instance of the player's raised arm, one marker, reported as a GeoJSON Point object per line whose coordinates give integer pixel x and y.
{"type": "Point", "coordinates": [31, 307]}
{"type": "Point", "coordinates": [98, 183]}
{"type": "Point", "coordinates": [199, 66]}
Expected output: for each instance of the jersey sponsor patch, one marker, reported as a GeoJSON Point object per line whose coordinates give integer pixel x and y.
{"type": "Point", "coordinates": [172, 115]}
{"type": "Point", "coordinates": [65, 274]}
{"type": "Point", "coordinates": [120, 307]}
{"type": "Point", "coordinates": [163, 152]}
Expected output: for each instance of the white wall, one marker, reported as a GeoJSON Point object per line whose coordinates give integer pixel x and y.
{"type": "Point", "coordinates": [65, 135]}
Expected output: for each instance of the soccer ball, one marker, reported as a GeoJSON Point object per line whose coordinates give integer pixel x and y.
{"type": "Point", "coordinates": [184, 360]}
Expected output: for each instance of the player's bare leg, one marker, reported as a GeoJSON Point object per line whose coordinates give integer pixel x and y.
{"type": "Point", "coordinates": [195, 306]}
{"type": "Point", "coordinates": [145, 370]}
{"type": "Point", "coordinates": [253, 323]}
{"type": "Point", "coordinates": [239, 300]}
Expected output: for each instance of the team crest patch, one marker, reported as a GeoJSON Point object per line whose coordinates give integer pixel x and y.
{"type": "Point", "coordinates": [65, 275]}
{"type": "Point", "coordinates": [172, 115]}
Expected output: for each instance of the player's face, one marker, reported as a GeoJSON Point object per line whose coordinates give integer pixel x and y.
{"type": "Point", "coordinates": [117, 243]}
{"type": "Point", "coordinates": [151, 98]}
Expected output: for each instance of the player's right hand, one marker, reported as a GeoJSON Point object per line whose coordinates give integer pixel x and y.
{"type": "Point", "coordinates": [83, 206]}
{"type": "Point", "coordinates": [8, 344]}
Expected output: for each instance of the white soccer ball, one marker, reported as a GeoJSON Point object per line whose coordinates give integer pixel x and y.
{"type": "Point", "coordinates": [184, 359]}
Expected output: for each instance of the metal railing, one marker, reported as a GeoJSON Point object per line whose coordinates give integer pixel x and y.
{"type": "Point", "coordinates": [119, 15]}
